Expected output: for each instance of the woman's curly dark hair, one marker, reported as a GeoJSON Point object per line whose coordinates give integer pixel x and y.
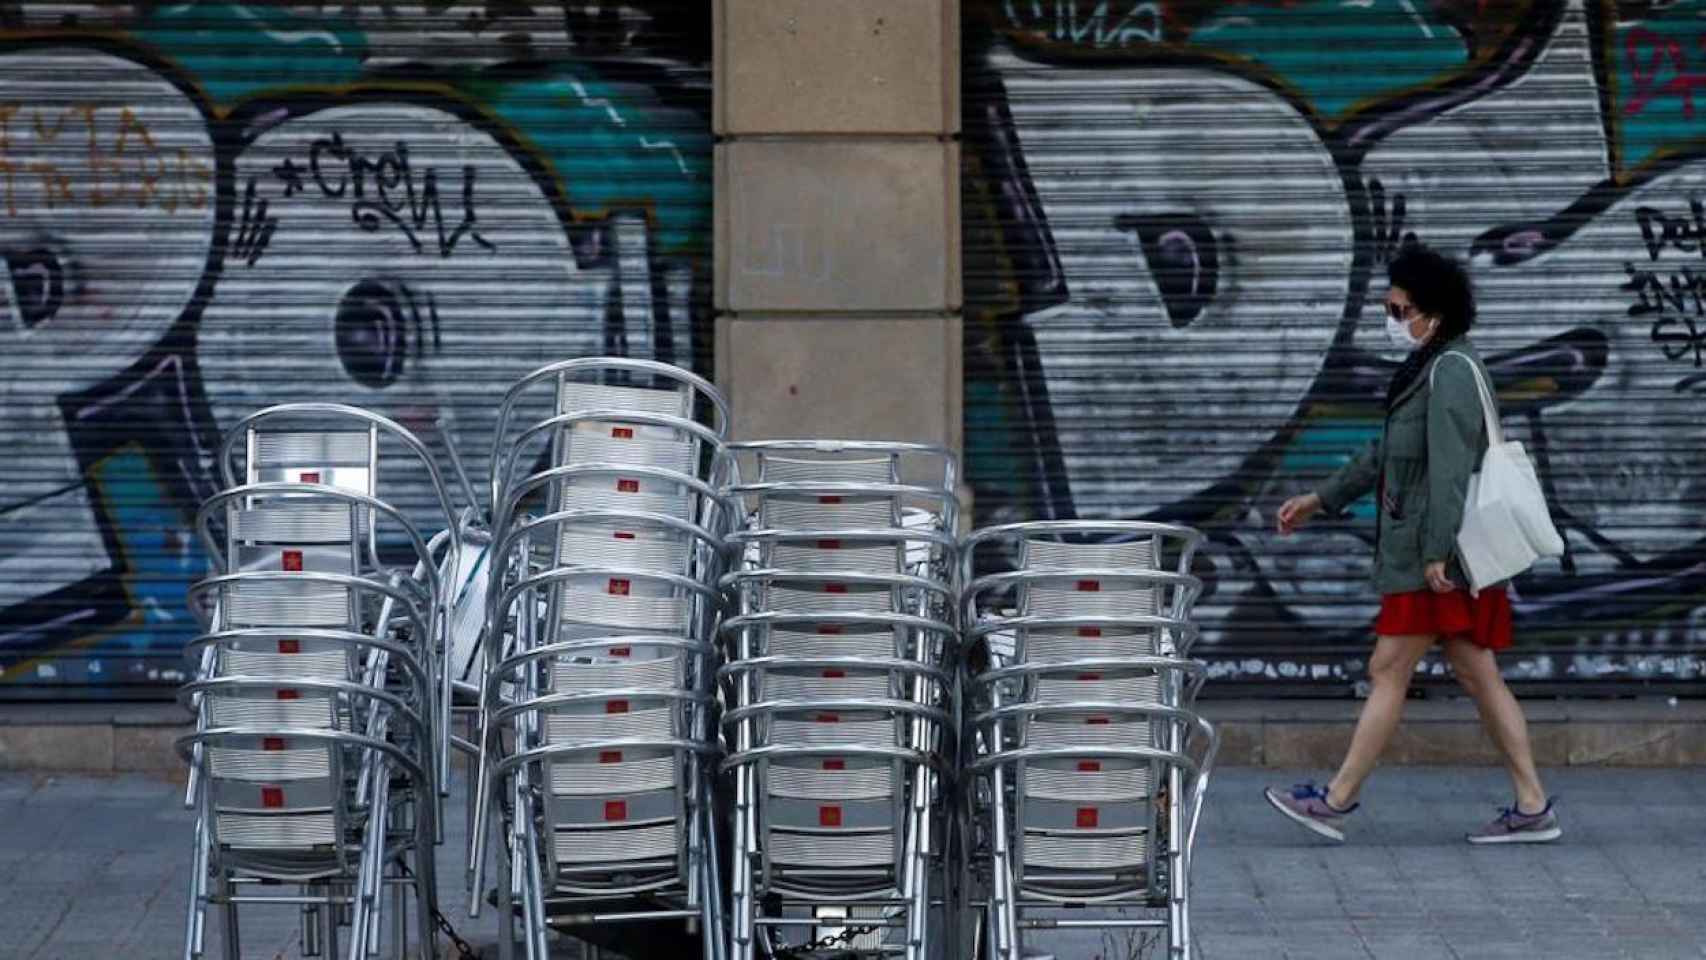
{"type": "Point", "coordinates": [1437, 285]}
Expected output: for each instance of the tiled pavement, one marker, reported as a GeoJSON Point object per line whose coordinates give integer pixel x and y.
{"type": "Point", "coordinates": [95, 867]}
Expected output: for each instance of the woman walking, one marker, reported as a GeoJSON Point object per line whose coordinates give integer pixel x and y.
{"type": "Point", "coordinates": [1419, 469]}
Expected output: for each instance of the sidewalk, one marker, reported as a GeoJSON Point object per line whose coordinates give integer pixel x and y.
{"type": "Point", "coordinates": [95, 867]}
{"type": "Point", "coordinates": [1644, 732]}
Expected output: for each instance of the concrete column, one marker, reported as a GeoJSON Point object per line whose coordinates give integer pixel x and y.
{"type": "Point", "coordinates": [838, 218]}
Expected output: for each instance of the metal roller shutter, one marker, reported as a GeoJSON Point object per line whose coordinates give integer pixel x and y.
{"type": "Point", "coordinates": [1177, 221]}
{"type": "Point", "coordinates": [210, 208]}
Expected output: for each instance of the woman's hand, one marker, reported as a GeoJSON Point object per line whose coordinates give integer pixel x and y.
{"type": "Point", "coordinates": [1437, 580]}
{"type": "Point", "coordinates": [1296, 512]}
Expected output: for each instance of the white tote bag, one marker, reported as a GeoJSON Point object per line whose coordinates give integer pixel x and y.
{"type": "Point", "coordinates": [1506, 525]}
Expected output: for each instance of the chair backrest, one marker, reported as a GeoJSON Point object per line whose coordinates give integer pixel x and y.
{"type": "Point", "coordinates": [832, 660]}
{"type": "Point", "coordinates": [346, 459]}
{"type": "Point", "coordinates": [1087, 672]}
{"type": "Point", "coordinates": [610, 410]}
{"type": "Point", "coordinates": [620, 554]}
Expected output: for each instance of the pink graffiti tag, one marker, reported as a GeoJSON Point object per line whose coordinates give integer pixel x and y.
{"type": "Point", "coordinates": [1648, 53]}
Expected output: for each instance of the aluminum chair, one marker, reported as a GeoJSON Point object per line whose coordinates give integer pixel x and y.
{"type": "Point", "coordinates": [597, 745]}
{"type": "Point", "coordinates": [315, 758]}
{"type": "Point", "coordinates": [1088, 766]}
{"type": "Point", "coordinates": [315, 690]}
{"type": "Point", "coordinates": [341, 447]}
{"type": "Point", "coordinates": [838, 698]}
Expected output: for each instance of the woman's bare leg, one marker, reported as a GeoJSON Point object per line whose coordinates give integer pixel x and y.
{"type": "Point", "coordinates": [1478, 673]}
{"type": "Point", "coordinates": [1390, 668]}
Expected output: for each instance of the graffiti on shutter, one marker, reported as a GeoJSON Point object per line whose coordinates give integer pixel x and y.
{"type": "Point", "coordinates": [473, 190]}
{"type": "Point", "coordinates": [1175, 248]}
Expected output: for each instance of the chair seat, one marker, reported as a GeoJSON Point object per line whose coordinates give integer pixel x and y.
{"type": "Point", "coordinates": [267, 831]}
{"type": "Point", "coordinates": [799, 643]}
{"type": "Point", "coordinates": [1086, 850]}
{"type": "Point", "coordinates": [621, 845]}
{"type": "Point", "coordinates": [276, 603]}
{"type": "Point", "coordinates": [601, 723]}
{"type": "Point", "coordinates": [831, 849]}
{"type": "Point", "coordinates": [618, 771]}
{"type": "Point", "coordinates": [822, 779]}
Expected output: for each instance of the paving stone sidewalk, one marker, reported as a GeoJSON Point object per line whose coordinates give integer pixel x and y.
{"type": "Point", "coordinates": [95, 867]}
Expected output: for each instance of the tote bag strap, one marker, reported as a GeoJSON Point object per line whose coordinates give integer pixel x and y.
{"type": "Point", "coordinates": [1495, 433]}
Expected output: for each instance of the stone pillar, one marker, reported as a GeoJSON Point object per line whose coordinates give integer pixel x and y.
{"type": "Point", "coordinates": [838, 218]}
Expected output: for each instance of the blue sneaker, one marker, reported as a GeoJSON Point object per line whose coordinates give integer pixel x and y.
{"type": "Point", "coordinates": [1513, 826]}
{"type": "Point", "coordinates": [1307, 804]}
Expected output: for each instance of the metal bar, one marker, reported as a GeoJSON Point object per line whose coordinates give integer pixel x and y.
{"type": "Point", "coordinates": [820, 922]}
{"type": "Point", "coordinates": [1046, 923]}
{"type": "Point", "coordinates": [581, 919]}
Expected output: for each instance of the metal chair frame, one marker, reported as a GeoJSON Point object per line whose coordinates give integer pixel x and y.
{"type": "Point", "coordinates": [531, 580]}
{"type": "Point", "coordinates": [407, 605]}
{"type": "Point", "coordinates": [375, 846]}
{"type": "Point", "coordinates": [283, 446]}
{"type": "Point", "coordinates": [1010, 689]}
{"type": "Point", "coordinates": [917, 621]}
{"type": "Point", "coordinates": [377, 427]}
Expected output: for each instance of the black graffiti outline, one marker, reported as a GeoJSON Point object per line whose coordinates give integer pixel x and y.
{"type": "Point", "coordinates": [369, 182]}
{"type": "Point", "coordinates": [254, 229]}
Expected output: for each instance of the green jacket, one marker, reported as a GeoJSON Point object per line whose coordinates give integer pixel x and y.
{"type": "Point", "coordinates": [1432, 442]}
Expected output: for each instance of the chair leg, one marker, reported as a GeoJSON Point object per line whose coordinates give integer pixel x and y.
{"type": "Point", "coordinates": [744, 896]}
{"type": "Point", "coordinates": [535, 890]}
{"type": "Point", "coordinates": [1178, 879]}
{"type": "Point", "coordinates": [426, 891]}
{"type": "Point", "coordinates": [399, 922]}
{"type": "Point", "coordinates": [505, 857]}
{"type": "Point", "coordinates": [329, 922]}
{"type": "Point", "coordinates": [310, 924]}
{"type": "Point", "coordinates": [715, 930]}
{"type": "Point", "coordinates": [195, 925]}
{"type": "Point", "coordinates": [233, 938]}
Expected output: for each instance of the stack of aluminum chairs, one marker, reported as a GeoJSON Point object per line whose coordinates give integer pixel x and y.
{"type": "Point", "coordinates": [1086, 763]}
{"type": "Point", "coordinates": [598, 734]}
{"type": "Point", "coordinates": [317, 758]}
{"type": "Point", "coordinates": [838, 698]}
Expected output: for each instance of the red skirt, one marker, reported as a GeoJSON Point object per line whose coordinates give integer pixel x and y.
{"type": "Point", "coordinates": [1484, 620]}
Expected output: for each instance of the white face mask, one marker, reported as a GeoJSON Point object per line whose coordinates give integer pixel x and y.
{"type": "Point", "coordinates": [1398, 331]}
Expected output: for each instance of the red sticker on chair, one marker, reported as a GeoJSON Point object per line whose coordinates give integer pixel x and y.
{"type": "Point", "coordinates": [623, 535]}
{"type": "Point", "coordinates": [1089, 631]}
{"type": "Point", "coordinates": [834, 674]}
{"type": "Point", "coordinates": [1089, 676]}
{"type": "Point", "coordinates": [621, 651]}
{"type": "Point", "coordinates": [835, 764]}
{"type": "Point", "coordinates": [627, 486]}
{"type": "Point", "coordinates": [622, 433]}
{"type": "Point", "coordinates": [311, 476]}
{"type": "Point", "coordinates": [1087, 817]}
{"type": "Point", "coordinates": [828, 718]}
{"type": "Point", "coordinates": [618, 587]}
{"type": "Point", "coordinates": [616, 706]}
{"type": "Point", "coordinates": [828, 499]}
{"type": "Point", "coordinates": [1089, 766]}
{"type": "Point", "coordinates": [829, 628]}
{"type": "Point", "coordinates": [272, 797]}
{"type": "Point", "coordinates": [615, 809]}
{"type": "Point", "coordinates": [293, 560]}
{"type": "Point", "coordinates": [290, 646]}
{"type": "Point", "coordinates": [610, 756]}
{"type": "Point", "coordinates": [835, 588]}
{"type": "Point", "coordinates": [272, 743]}
{"type": "Point", "coordinates": [829, 544]}
{"type": "Point", "coordinates": [829, 816]}
{"type": "Point", "coordinates": [290, 694]}
{"type": "Point", "coordinates": [1089, 586]}
{"type": "Point", "coordinates": [1098, 720]}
